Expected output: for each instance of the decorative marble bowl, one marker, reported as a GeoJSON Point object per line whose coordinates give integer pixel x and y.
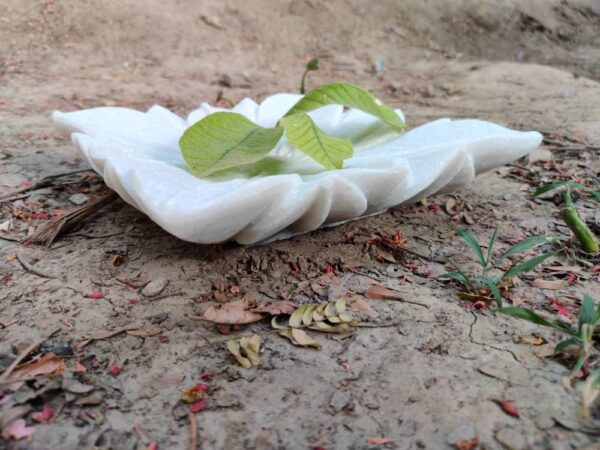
{"type": "Point", "coordinates": [138, 155]}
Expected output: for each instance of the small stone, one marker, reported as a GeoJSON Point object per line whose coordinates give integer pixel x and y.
{"type": "Point", "coordinates": [340, 400]}
{"type": "Point", "coordinates": [3, 155]}
{"type": "Point", "coordinates": [464, 432]}
{"type": "Point", "coordinates": [154, 288]}
{"type": "Point", "coordinates": [511, 438]}
{"type": "Point", "coordinates": [79, 199]}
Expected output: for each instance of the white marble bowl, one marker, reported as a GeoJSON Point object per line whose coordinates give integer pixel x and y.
{"type": "Point", "coordinates": [138, 155]}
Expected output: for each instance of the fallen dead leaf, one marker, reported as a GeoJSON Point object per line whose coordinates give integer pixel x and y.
{"type": "Point", "coordinates": [234, 313]}
{"type": "Point", "coordinates": [379, 441]}
{"type": "Point", "coordinates": [544, 351]}
{"type": "Point", "coordinates": [549, 284]}
{"type": "Point", "coordinates": [46, 364]}
{"type": "Point", "coordinates": [532, 341]}
{"type": "Point", "coordinates": [299, 337]}
{"type": "Point", "coordinates": [44, 416]}
{"type": "Point", "coordinates": [506, 406]}
{"type": "Point", "coordinates": [250, 347]}
{"type": "Point", "coordinates": [279, 307]}
{"type": "Point", "coordinates": [381, 293]}
{"type": "Point", "coordinates": [471, 444]}
{"type": "Point", "coordinates": [17, 430]}
{"type": "Point", "coordinates": [361, 305]}
{"type": "Point", "coordinates": [152, 330]}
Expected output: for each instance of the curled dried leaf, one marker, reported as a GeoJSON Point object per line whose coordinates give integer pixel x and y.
{"type": "Point", "coordinates": [299, 337]}
{"type": "Point", "coordinates": [246, 351]}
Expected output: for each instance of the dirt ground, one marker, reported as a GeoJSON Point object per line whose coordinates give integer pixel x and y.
{"type": "Point", "coordinates": [423, 374]}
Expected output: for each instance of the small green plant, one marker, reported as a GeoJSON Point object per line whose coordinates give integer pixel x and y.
{"type": "Point", "coordinates": [588, 241]}
{"type": "Point", "coordinates": [582, 336]}
{"type": "Point", "coordinates": [226, 140]}
{"type": "Point", "coordinates": [488, 287]}
{"type": "Point", "coordinates": [312, 65]}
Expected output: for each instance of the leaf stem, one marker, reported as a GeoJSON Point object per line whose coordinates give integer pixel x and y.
{"type": "Point", "coordinates": [585, 236]}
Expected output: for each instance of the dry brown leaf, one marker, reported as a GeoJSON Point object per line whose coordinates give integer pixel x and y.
{"type": "Point", "coordinates": [279, 307]}
{"type": "Point", "coordinates": [450, 204]}
{"type": "Point", "coordinates": [234, 313]}
{"type": "Point", "coordinates": [544, 351]}
{"type": "Point", "coordinates": [549, 284]}
{"type": "Point", "coordinates": [105, 334]}
{"type": "Point", "coordinates": [361, 305]}
{"type": "Point", "coordinates": [152, 330]}
{"type": "Point", "coordinates": [381, 293]}
{"type": "Point", "coordinates": [532, 341]}
{"type": "Point", "coordinates": [251, 348]}
{"type": "Point", "coordinates": [379, 441]}
{"type": "Point", "coordinates": [46, 364]}
{"type": "Point", "coordinates": [299, 337]}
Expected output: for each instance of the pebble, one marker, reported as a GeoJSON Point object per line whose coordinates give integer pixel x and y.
{"type": "Point", "coordinates": [79, 199]}
{"type": "Point", "coordinates": [511, 438]}
{"type": "Point", "coordinates": [155, 287]}
{"type": "Point", "coordinates": [464, 432]}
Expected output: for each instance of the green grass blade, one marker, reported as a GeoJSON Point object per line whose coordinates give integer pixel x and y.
{"type": "Point", "coordinates": [587, 312]}
{"type": "Point", "coordinates": [459, 270]}
{"type": "Point", "coordinates": [474, 245]}
{"type": "Point", "coordinates": [495, 291]}
{"type": "Point", "coordinates": [224, 140]}
{"type": "Point", "coordinates": [351, 96]}
{"type": "Point", "coordinates": [528, 244]}
{"type": "Point", "coordinates": [491, 246]}
{"type": "Point", "coordinates": [527, 265]}
{"type": "Point", "coordinates": [561, 346]}
{"type": "Point", "coordinates": [559, 184]}
{"type": "Point", "coordinates": [530, 316]}
{"type": "Point", "coordinates": [457, 276]}
{"type": "Point", "coordinates": [306, 136]}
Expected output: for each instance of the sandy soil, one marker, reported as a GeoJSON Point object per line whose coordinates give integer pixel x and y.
{"type": "Point", "coordinates": [422, 377]}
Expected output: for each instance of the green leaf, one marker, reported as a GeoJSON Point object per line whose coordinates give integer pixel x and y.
{"type": "Point", "coordinates": [528, 244]}
{"type": "Point", "coordinates": [587, 312]}
{"type": "Point", "coordinates": [490, 246]}
{"type": "Point", "coordinates": [224, 140]}
{"type": "Point", "coordinates": [306, 136]}
{"type": "Point", "coordinates": [472, 242]}
{"type": "Point", "coordinates": [351, 96]}
{"type": "Point", "coordinates": [552, 186]}
{"type": "Point", "coordinates": [561, 346]}
{"type": "Point", "coordinates": [527, 265]}
{"type": "Point", "coordinates": [454, 276]}
{"type": "Point", "coordinates": [530, 316]}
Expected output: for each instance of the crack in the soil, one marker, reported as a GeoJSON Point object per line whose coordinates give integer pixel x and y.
{"type": "Point", "coordinates": [473, 341]}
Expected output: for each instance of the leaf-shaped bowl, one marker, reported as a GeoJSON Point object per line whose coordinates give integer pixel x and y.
{"type": "Point", "coordinates": [138, 156]}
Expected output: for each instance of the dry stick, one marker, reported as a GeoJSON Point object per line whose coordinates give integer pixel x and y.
{"type": "Point", "coordinates": [29, 268]}
{"type": "Point", "coordinates": [21, 357]}
{"type": "Point", "coordinates": [42, 183]}
{"type": "Point", "coordinates": [193, 431]}
{"type": "Point", "coordinates": [49, 232]}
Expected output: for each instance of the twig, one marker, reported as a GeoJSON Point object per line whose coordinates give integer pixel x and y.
{"type": "Point", "coordinates": [21, 357]}
{"type": "Point", "coordinates": [9, 238]}
{"type": "Point", "coordinates": [46, 181]}
{"type": "Point", "coordinates": [378, 325]}
{"type": "Point", "coordinates": [49, 232]}
{"type": "Point", "coordinates": [29, 268]}
{"type": "Point", "coordinates": [193, 431]}
{"type": "Point", "coordinates": [141, 432]}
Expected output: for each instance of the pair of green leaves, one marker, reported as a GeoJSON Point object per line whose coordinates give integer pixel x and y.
{"type": "Point", "coordinates": [589, 316]}
{"type": "Point", "coordinates": [225, 140]}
